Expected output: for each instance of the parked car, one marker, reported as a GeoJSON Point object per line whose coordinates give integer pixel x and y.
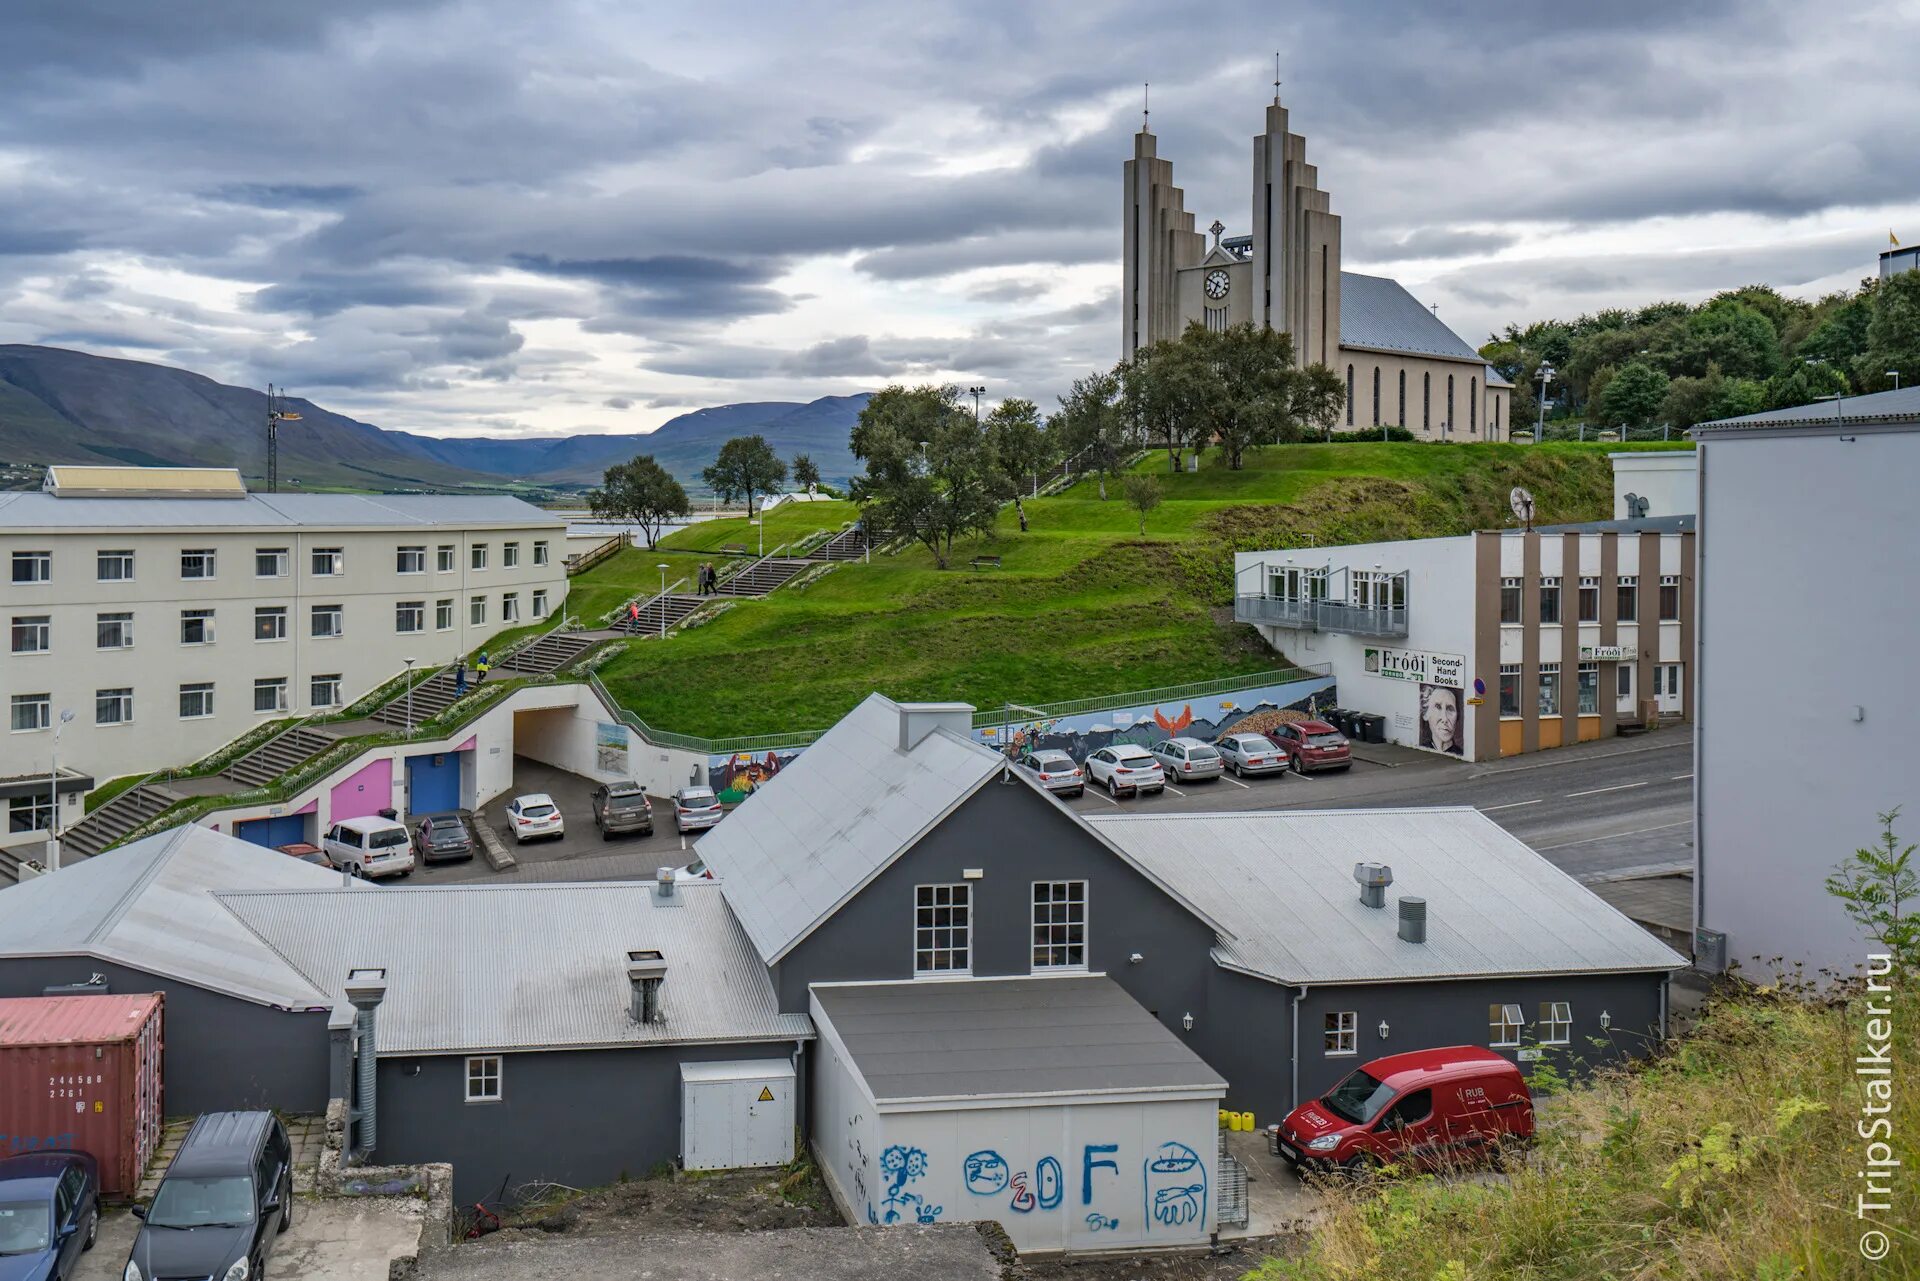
{"type": "Point", "coordinates": [1188, 759]}
{"type": "Point", "coordinates": [533, 816]}
{"type": "Point", "coordinates": [622, 807]}
{"type": "Point", "coordinates": [443, 838]}
{"type": "Point", "coordinates": [49, 1214]}
{"type": "Point", "coordinates": [1428, 1109]}
{"type": "Point", "coordinates": [1054, 770]}
{"type": "Point", "coordinates": [695, 809]}
{"type": "Point", "coordinates": [370, 846]}
{"type": "Point", "coordinates": [694, 871]}
{"type": "Point", "coordinates": [306, 852]}
{"type": "Point", "coordinates": [1314, 745]}
{"type": "Point", "coordinates": [226, 1196]}
{"type": "Point", "coordinates": [1126, 767]}
{"type": "Point", "coordinates": [1246, 754]}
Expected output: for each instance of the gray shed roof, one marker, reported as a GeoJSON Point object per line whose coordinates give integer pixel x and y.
{"type": "Point", "coordinates": [1901, 405]}
{"type": "Point", "coordinates": [1007, 1038]}
{"type": "Point", "coordinates": [37, 510]}
{"type": "Point", "coordinates": [1635, 525]}
{"type": "Point", "coordinates": [1283, 884]}
{"type": "Point", "coordinates": [1378, 312]}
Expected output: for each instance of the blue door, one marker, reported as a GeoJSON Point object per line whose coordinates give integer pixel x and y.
{"type": "Point", "coordinates": [284, 830]}
{"type": "Point", "coordinates": [433, 783]}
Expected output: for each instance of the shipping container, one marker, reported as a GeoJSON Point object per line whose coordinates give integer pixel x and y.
{"type": "Point", "coordinates": [82, 1074]}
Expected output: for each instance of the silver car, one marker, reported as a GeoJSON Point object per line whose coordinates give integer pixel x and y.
{"type": "Point", "coordinates": [1246, 754]}
{"type": "Point", "coordinates": [695, 809]}
{"type": "Point", "coordinates": [1188, 759]}
{"type": "Point", "coordinates": [1054, 770]}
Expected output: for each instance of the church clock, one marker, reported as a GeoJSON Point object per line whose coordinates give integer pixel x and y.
{"type": "Point", "coordinates": [1217, 283]}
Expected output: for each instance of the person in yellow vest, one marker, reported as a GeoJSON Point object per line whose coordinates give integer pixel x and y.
{"type": "Point", "coordinates": [481, 666]}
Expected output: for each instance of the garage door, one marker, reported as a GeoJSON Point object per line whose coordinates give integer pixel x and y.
{"type": "Point", "coordinates": [284, 830]}
{"type": "Point", "coordinates": [433, 782]}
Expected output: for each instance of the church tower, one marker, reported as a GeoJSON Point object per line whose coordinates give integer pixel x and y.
{"type": "Point", "coordinates": [1296, 244]}
{"type": "Point", "coordinates": [1159, 240]}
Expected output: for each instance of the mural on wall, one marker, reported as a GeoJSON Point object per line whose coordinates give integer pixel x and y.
{"type": "Point", "coordinates": [610, 748]}
{"type": "Point", "coordinates": [1176, 1187]}
{"type": "Point", "coordinates": [1441, 727]}
{"type": "Point", "coordinates": [737, 776]}
{"type": "Point", "coordinates": [901, 1166]}
{"type": "Point", "coordinates": [1248, 711]}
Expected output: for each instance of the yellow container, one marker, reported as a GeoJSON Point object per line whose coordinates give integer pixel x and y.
{"type": "Point", "coordinates": [1226, 1119]}
{"type": "Point", "coordinates": [1246, 1120]}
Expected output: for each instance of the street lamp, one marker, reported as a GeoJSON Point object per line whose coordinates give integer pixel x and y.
{"type": "Point", "coordinates": [926, 463]}
{"type": "Point", "coordinates": [1895, 375]}
{"type": "Point", "coordinates": [409, 662]}
{"type": "Point", "coordinates": [1546, 375]}
{"type": "Point", "coordinates": [53, 785]}
{"type": "Point", "coordinates": [662, 602]}
{"type": "Point", "coordinates": [975, 392]}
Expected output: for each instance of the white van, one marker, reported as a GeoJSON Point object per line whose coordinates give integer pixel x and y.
{"type": "Point", "coordinates": [370, 847]}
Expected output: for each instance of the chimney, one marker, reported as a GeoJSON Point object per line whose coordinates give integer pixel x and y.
{"type": "Point", "coordinates": [366, 988]}
{"type": "Point", "coordinates": [917, 720]}
{"type": "Point", "coordinates": [1413, 919]}
{"type": "Point", "coordinates": [646, 970]}
{"type": "Point", "coordinates": [663, 882]}
{"type": "Point", "coordinates": [1374, 879]}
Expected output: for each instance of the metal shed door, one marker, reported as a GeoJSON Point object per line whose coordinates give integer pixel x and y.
{"type": "Point", "coordinates": [769, 1121]}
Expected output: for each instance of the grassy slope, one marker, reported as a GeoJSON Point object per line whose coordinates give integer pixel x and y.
{"type": "Point", "coordinates": [1084, 604]}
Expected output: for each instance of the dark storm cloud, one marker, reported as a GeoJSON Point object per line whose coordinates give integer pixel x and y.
{"type": "Point", "coordinates": [323, 294]}
{"type": "Point", "coordinates": [618, 402]}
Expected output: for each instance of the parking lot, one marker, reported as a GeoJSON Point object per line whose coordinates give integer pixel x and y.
{"type": "Point", "coordinates": [329, 1241]}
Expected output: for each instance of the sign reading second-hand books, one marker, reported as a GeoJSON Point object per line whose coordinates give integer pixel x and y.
{"type": "Point", "coordinates": [1419, 665]}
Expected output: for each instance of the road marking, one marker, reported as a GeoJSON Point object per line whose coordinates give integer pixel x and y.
{"type": "Point", "coordinates": [1514, 805]}
{"type": "Point", "coordinates": [1236, 782]}
{"type": "Point", "coordinates": [1103, 796]}
{"type": "Point", "coordinates": [1612, 836]}
{"type": "Point", "coordinates": [1617, 787]}
{"type": "Point", "coordinates": [683, 842]}
{"type": "Point", "coordinates": [1678, 778]}
{"type": "Point", "coordinates": [1176, 791]}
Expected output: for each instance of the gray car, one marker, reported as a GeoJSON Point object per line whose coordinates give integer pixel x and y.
{"type": "Point", "coordinates": [1246, 754]}
{"type": "Point", "coordinates": [442, 838]}
{"type": "Point", "coordinates": [1188, 759]}
{"type": "Point", "coordinates": [695, 809]}
{"type": "Point", "coordinates": [622, 807]}
{"type": "Point", "coordinates": [1054, 770]}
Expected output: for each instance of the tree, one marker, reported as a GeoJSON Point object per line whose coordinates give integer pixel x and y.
{"type": "Point", "coordinates": [805, 474]}
{"type": "Point", "coordinates": [1242, 386]}
{"type": "Point", "coordinates": [1893, 334]}
{"type": "Point", "coordinates": [1143, 495]}
{"type": "Point", "coordinates": [1317, 397]}
{"type": "Point", "coordinates": [642, 493]}
{"type": "Point", "coordinates": [1633, 396]}
{"type": "Point", "coordinates": [1161, 386]}
{"type": "Point", "coordinates": [1804, 384]}
{"type": "Point", "coordinates": [931, 470]}
{"type": "Point", "coordinates": [1022, 448]}
{"type": "Point", "coordinates": [1092, 425]}
{"type": "Point", "coordinates": [1881, 891]}
{"type": "Point", "coordinates": [747, 466]}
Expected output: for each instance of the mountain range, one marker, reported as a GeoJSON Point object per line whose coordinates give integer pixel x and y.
{"type": "Point", "coordinates": [64, 406]}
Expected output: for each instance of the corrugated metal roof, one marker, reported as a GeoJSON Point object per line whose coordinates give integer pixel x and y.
{"type": "Point", "coordinates": [271, 511]}
{"type": "Point", "coordinates": [1899, 405]}
{"type": "Point", "coordinates": [504, 967]}
{"type": "Point", "coordinates": [74, 1020]}
{"type": "Point", "coordinates": [1282, 882]}
{"type": "Point", "coordinates": [1012, 1038]}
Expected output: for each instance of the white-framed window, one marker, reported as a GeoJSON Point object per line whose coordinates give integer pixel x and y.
{"type": "Point", "coordinates": [112, 706]}
{"type": "Point", "coordinates": [329, 562]}
{"type": "Point", "coordinates": [1556, 1023]}
{"type": "Point", "coordinates": [30, 813]}
{"type": "Point", "coordinates": [1510, 602]}
{"type": "Point", "coordinates": [943, 929]}
{"type": "Point", "coordinates": [113, 631]}
{"type": "Point", "coordinates": [477, 611]}
{"type": "Point", "coordinates": [1588, 604]}
{"type": "Point", "coordinates": [31, 712]}
{"type": "Point", "coordinates": [443, 558]}
{"type": "Point", "coordinates": [1586, 685]}
{"type": "Point", "coordinates": [270, 694]}
{"type": "Point", "coordinates": [1669, 598]}
{"type": "Point", "coordinates": [540, 604]}
{"type": "Point", "coordinates": [270, 562]}
{"type": "Point", "coordinates": [196, 627]}
{"type": "Point", "coordinates": [509, 555]}
{"type": "Point", "coordinates": [410, 560]}
{"type": "Point", "coordinates": [114, 567]}
{"type": "Point", "coordinates": [1342, 1034]}
{"type": "Point", "coordinates": [196, 700]}
{"type": "Point", "coordinates": [33, 567]}
{"type": "Point", "coordinates": [1549, 600]}
{"type": "Point", "coordinates": [1626, 598]}
{"type": "Point", "coordinates": [510, 607]}
{"type": "Point", "coordinates": [1503, 1025]}
{"type": "Point", "coordinates": [196, 562]}
{"type": "Point", "coordinates": [270, 622]}
{"type": "Point", "coordinates": [1059, 925]}
{"type": "Point", "coordinates": [1549, 689]}
{"type": "Point", "coordinates": [479, 556]}
{"type": "Point", "coordinates": [1509, 691]}
{"type": "Point", "coordinates": [409, 616]}
{"type": "Point", "coordinates": [32, 633]}
{"type": "Point", "coordinates": [324, 691]}
{"type": "Point", "coordinates": [329, 621]}
{"type": "Point", "coordinates": [483, 1078]}
{"type": "Point", "coordinates": [539, 551]}
{"type": "Point", "coordinates": [443, 615]}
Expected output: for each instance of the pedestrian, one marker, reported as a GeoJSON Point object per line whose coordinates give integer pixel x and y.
{"type": "Point", "coordinates": [713, 577]}
{"type": "Point", "coordinates": [481, 666]}
{"type": "Point", "coordinates": [460, 676]}
{"type": "Point", "coordinates": [633, 612]}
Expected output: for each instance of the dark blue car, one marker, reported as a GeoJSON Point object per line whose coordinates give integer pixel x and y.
{"type": "Point", "coordinates": [49, 1213]}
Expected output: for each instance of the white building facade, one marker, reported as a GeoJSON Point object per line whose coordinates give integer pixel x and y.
{"type": "Point", "coordinates": [1655, 482]}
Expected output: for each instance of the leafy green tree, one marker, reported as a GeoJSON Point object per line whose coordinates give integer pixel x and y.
{"type": "Point", "coordinates": [1242, 385]}
{"type": "Point", "coordinates": [1093, 422]}
{"type": "Point", "coordinates": [1804, 384]}
{"type": "Point", "coordinates": [1726, 332]}
{"type": "Point", "coordinates": [1022, 448]}
{"type": "Point", "coordinates": [1737, 396]}
{"type": "Point", "coordinates": [930, 468]}
{"type": "Point", "coordinates": [804, 472]}
{"type": "Point", "coordinates": [1881, 891]}
{"type": "Point", "coordinates": [1163, 386]}
{"type": "Point", "coordinates": [1632, 397]}
{"type": "Point", "coordinates": [1143, 495]}
{"type": "Point", "coordinates": [640, 492]}
{"type": "Point", "coordinates": [746, 466]}
{"type": "Point", "coordinates": [1601, 349]}
{"type": "Point", "coordinates": [1893, 334]}
{"type": "Point", "coordinates": [1690, 401]}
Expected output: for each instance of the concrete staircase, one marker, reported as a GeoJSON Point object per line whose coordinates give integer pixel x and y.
{"type": "Point", "coordinates": [662, 613]}
{"type": "Point", "coordinates": [548, 654]}
{"type": "Point", "coordinates": [850, 544]}
{"type": "Point", "coordinates": [131, 809]}
{"type": "Point", "coordinates": [430, 697]}
{"type": "Point", "coordinates": [278, 755]}
{"type": "Point", "coordinates": [763, 576]}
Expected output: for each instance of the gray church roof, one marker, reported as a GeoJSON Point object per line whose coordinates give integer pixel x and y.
{"type": "Point", "coordinates": [1378, 312]}
{"type": "Point", "coordinates": [1899, 405]}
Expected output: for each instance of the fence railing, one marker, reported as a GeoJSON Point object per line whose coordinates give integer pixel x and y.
{"type": "Point", "coordinates": [1230, 1183]}
{"type": "Point", "coordinates": [580, 562]}
{"type": "Point", "coordinates": [1023, 713]}
{"type": "Point", "coordinates": [1322, 615]}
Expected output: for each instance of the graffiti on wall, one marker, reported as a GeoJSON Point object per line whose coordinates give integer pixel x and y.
{"type": "Point", "coordinates": [737, 776]}
{"type": "Point", "coordinates": [901, 1166]}
{"type": "Point", "coordinates": [1248, 711]}
{"type": "Point", "coordinates": [1176, 1187]}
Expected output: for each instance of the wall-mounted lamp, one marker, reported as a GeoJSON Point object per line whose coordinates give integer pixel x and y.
{"type": "Point", "coordinates": [1606, 1020]}
{"type": "Point", "coordinates": [1186, 1021]}
{"type": "Point", "coordinates": [1383, 1029]}
{"type": "Point", "coordinates": [1135, 959]}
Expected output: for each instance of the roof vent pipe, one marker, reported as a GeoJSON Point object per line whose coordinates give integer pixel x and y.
{"type": "Point", "coordinates": [646, 970]}
{"type": "Point", "coordinates": [366, 988]}
{"type": "Point", "coordinates": [1374, 879]}
{"type": "Point", "coordinates": [663, 882]}
{"type": "Point", "coordinates": [1413, 920]}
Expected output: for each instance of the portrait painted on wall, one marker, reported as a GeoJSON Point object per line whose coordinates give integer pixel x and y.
{"type": "Point", "coordinates": [1442, 728]}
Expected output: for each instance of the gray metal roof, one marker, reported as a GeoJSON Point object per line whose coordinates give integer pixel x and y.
{"type": "Point", "coordinates": [1901, 405]}
{"type": "Point", "coordinates": [1378, 312]}
{"type": "Point", "coordinates": [151, 905]}
{"type": "Point", "coordinates": [1007, 1038]}
{"type": "Point", "coordinates": [1282, 881]}
{"type": "Point", "coordinates": [507, 967]}
{"type": "Point", "coordinates": [35, 510]}
{"type": "Point", "coordinates": [1637, 525]}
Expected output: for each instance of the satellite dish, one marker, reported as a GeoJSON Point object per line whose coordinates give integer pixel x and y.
{"type": "Point", "coordinates": [1636, 507]}
{"type": "Point", "coordinates": [1522, 503]}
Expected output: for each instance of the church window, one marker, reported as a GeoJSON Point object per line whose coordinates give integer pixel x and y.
{"type": "Point", "coordinates": [1401, 417]}
{"type": "Point", "coordinates": [1447, 422]}
{"type": "Point", "coordinates": [1349, 395]}
{"type": "Point", "coordinates": [1426, 402]}
{"type": "Point", "coordinates": [1376, 395]}
{"type": "Point", "coordinates": [1473, 406]}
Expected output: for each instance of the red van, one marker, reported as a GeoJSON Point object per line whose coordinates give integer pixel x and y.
{"type": "Point", "coordinates": [1429, 1108]}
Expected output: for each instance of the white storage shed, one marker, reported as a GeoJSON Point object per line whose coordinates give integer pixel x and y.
{"type": "Point", "coordinates": [736, 1114]}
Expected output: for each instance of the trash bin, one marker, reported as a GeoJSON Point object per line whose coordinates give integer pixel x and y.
{"type": "Point", "coordinates": [390, 813]}
{"type": "Point", "coordinates": [1373, 727]}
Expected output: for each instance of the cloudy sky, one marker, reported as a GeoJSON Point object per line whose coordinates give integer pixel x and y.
{"type": "Point", "coordinates": [589, 215]}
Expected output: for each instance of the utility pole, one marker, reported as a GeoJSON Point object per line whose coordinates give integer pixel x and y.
{"type": "Point", "coordinates": [975, 392]}
{"type": "Point", "coordinates": [1546, 375]}
{"type": "Point", "coordinates": [53, 786]}
{"type": "Point", "coordinates": [276, 415]}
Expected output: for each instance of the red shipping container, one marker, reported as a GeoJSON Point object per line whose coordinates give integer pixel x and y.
{"type": "Point", "coordinates": [82, 1074]}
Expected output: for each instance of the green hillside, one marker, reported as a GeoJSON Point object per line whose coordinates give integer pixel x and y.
{"type": "Point", "coordinates": [1084, 605]}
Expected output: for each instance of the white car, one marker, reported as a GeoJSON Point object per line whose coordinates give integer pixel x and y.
{"type": "Point", "coordinates": [370, 847]}
{"type": "Point", "coordinates": [1251, 754]}
{"type": "Point", "coordinates": [1126, 767]}
{"type": "Point", "coordinates": [533, 816]}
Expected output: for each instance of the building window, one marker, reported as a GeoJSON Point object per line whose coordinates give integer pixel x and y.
{"type": "Point", "coordinates": [539, 604]}
{"type": "Point", "coordinates": [197, 563]}
{"type": "Point", "coordinates": [1556, 1023]}
{"type": "Point", "coordinates": [270, 562]}
{"type": "Point", "coordinates": [113, 631]}
{"type": "Point", "coordinates": [1669, 598]}
{"type": "Point", "coordinates": [327, 622]}
{"type": "Point", "coordinates": [443, 615]}
{"type": "Point", "coordinates": [412, 560]}
{"type": "Point", "coordinates": [30, 813]}
{"type": "Point", "coordinates": [1426, 402]}
{"type": "Point", "coordinates": [324, 691]}
{"type": "Point", "coordinates": [1626, 602]}
{"type": "Point", "coordinates": [1509, 690]}
{"type": "Point", "coordinates": [1059, 925]}
{"type": "Point", "coordinates": [32, 633]}
{"type": "Point", "coordinates": [443, 558]}
{"type": "Point", "coordinates": [114, 567]}
{"type": "Point", "coordinates": [1342, 1034]}
{"type": "Point", "coordinates": [509, 555]}
{"type": "Point", "coordinates": [1549, 689]}
{"type": "Point", "coordinates": [196, 627]}
{"type": "Point", "coordinates": [1496, 418]}
{"type": "Point", "coordinates": [539, 551]}
{"type": "Point", "coordinates": [1549, 600]}
{"type": "Point", "coordinates": [409, 616]}
{"type": "Point", "coordinates": [942, 929]}
{"type": "Point", "coordinates": [32, 567]}
{"type": "Point", "coordinates": [1473, 406]}
{"type": "Point", "coordinates": [479, 556]}
{"type": "Point", "coordinates": [1623, 681]}
{"type": "Point", "coordinates": [329, 562]}
{"type": "Point", "coordinates": [1401, 417]}
{"type": "Point", "coordinates": [1349, 395]}
{"type": "Point", "coordinates": [1510, 601]}
{"type": "Point", "coordinates": [1503, 1025]}
{"type": "Point", "coordinates": [196, 701]}
{"type": "Point", "coordinates": [31, 712]}
{"type": "Point", "coordinates": [270, 694]}
{"type": "Point", "coordinates": [510, 607]}
{"type": "Point", "coordinates": [476, 611]}
{"type": "Point", "coordinates": [112, 706]}
{"type": "Point", "coordinates": [1589, 600]}
{"type": "Point", "coordinates": [1376, 395]}
{"type": "Point", "coordinates": [270, 623]}
{"type": "Point", "coordinates": [1446, 424]}
{"type": "Point", "coordinates": [1586, 688]}
{"type": "Point", "coordinates": [483, 1078]}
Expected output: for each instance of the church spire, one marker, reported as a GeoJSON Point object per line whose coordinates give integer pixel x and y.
{"type": "Point", "coordinates": [1146, 105]}
{"type": "Point", "coordinates": [1276, 77]}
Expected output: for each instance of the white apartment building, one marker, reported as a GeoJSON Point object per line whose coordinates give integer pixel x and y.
{"type": "Point", "coordinates": [170, 611]}
{"type": "Point", "coordinates": [1493, 643]}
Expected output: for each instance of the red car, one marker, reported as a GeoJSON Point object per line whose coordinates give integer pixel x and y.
{"type": "Point", "coordinates": [1430, 1109]}
{"type": "Point", "coordinates": [1313, 745]}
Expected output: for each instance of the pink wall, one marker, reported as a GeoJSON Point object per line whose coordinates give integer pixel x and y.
{"type": "Point", "coordinates": [367, 791]}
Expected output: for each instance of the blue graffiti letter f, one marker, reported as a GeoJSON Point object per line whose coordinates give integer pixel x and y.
{"type": "Point", "coordinates": [1089, 1163]}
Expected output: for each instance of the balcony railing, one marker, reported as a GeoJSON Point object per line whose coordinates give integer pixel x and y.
{"type": "Point", "coordinates": [1322, 615]}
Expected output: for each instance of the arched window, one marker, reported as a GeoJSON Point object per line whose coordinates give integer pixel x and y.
{"type": "Point", "coordinates": [1426, 403]}
{"type": "Point", "coordinates": [1349, 395]}
{"type": "Point", "coordinates": [1473, 406]}
{"type": "Point", "coordinates": [1376, 395]}
{"type": "Point", "coordinates": [1496, 418]}
{"type": "Point", "coordinates": [1402, 415]}
{"type": "Point", "coordinates": [1446, 424]}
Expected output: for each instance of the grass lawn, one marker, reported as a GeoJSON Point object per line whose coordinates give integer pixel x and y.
{"type": "Point", "coordinates": [1084, 605]}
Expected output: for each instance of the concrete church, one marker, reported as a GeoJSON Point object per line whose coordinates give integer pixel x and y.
{"type": "Point", "coordinates": [1402, 366]}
